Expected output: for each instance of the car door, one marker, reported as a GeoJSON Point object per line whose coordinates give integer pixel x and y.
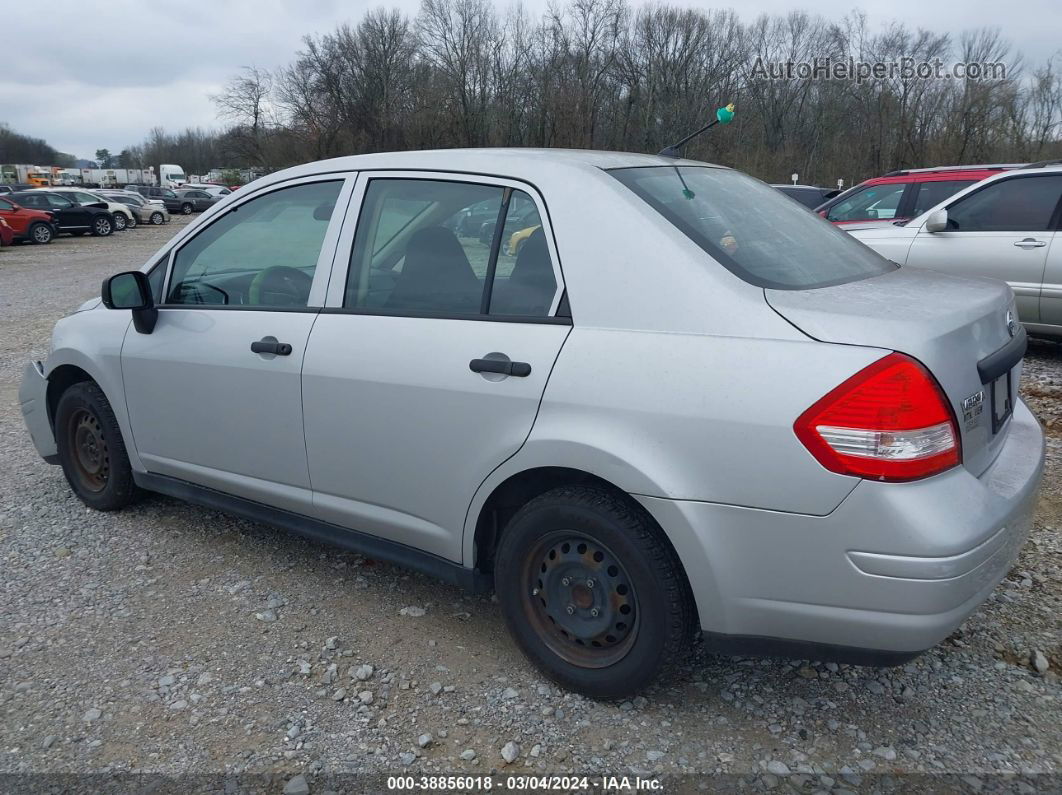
{"type": "Point", "coordinates": [1002, 231]}
{"type": "Point", "coordinates": [425, 370]}
{"type": "Point", "coordinates": [69, 216]}
{"type": "Point", "coordinates": [214, 392]}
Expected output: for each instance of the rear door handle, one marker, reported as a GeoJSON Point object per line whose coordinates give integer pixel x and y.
{"type": "Point", "coordinates": [1030, 242]}
{"type": "Point", "coordinates": [502, 366]}
{"type": "Point", "coordinates": [271, 346]}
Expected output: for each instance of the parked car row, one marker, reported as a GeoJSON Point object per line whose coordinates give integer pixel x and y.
{"type": "Point", "coordinates": [38, 215]}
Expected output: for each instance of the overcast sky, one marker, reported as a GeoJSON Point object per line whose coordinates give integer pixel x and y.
{"type": "Point", "coordinates": [88, 75]}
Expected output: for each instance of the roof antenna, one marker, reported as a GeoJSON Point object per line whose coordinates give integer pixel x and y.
{"type": "Point", "coordinates": [723, 115]}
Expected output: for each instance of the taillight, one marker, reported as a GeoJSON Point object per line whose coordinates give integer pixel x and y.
{"type": "Point", "coordinates": [889, 421]}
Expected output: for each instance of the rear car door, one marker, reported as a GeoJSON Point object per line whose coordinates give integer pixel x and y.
{"type": "Point", "coordinates": [425, 370]}
{"type": "Point", "coordinates": [214, 392]}
{"type": "Point", "coordinates": [1002, 231]}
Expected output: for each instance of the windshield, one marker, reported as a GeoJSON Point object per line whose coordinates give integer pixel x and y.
{"type": "Point", "coordinates": [751, 229]}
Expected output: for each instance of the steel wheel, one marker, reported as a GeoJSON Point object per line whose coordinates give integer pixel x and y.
{"type": "Point", "coordinates": [119, 221]}
{"type": "Point", "coordinates": [580, 599]}
{"type": "Point", "coordinates": [92, 461]}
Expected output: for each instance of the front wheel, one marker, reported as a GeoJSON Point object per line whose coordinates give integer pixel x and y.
{"type": "Point", "coordinates": [102, 227]}
{"type": "Point", "coordinates": [592, 591]}
{"type": "Point", "coordinates": [119, 222]}
{"type": "Point", "coordinates": [131, 222]}
{"type": "Point", "coordinates": [91, 449]}
{"type": "Point", "coordinates": [186, 209]}
{"type": "Point", "coordinates": [157, 219]}
{"type": "Point", "coordinates": [41, 233]}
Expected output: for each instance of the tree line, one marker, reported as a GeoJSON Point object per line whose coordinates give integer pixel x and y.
{"type": "Point", "coordinates": [18, 148]}
{"type": "Point", "coordinates": [602, 74]}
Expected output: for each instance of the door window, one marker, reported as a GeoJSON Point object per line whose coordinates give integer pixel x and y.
{"type": "Point", "coordinates": [1019, 204]}
{"type": "Point", "coordinates": [930, 194]}
{"type": "Point", "coordinates": [261, 253]}
{"type": "Point", "coordinates": [426, 246]}
{"type": "Point", "coordinates": [873, 203]}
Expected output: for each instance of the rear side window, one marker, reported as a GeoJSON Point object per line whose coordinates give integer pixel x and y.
{"type": "Point", "coordinates": [435, 247]}
{"type": "Point", "coordinates": [751, 229]}
{"type": "Point", "coordinates": [261, 253]}
{"type": "Point", "coordinates": [930, 194]}
{"type": "Point", "coordinates": [872, 203]}
{"type": "Point", "coordinates": [1019, 204]}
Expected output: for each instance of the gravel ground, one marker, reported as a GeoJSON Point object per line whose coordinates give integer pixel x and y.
{"type": "Point", "coordinates": [171, 639]}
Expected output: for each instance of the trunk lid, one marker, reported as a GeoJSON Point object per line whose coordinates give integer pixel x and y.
{"type": "Point", "coordinates": [948, 323]}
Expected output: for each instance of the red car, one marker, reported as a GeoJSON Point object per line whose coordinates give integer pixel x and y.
{"type": "Point", "coordinates": [900, 195]}
{"type": "Point", "coordinates": [7, 234]}
{"type": "Point", "coordinates": [37, 226]}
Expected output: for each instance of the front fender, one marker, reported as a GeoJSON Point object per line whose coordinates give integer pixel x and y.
{"type": "Point", "coordinates": [92, 341]}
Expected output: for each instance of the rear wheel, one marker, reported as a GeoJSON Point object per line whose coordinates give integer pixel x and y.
{"type": "Point", "coordinates": [157, 218]}
{"type": "Point", "coordinates": [102, 227]}
{"type": "Point", "coordinates": [41, 232]}
{"type": "Point", "coordinates": [592, 591]}
{"type": "Point", "coordinates": [91, 449]}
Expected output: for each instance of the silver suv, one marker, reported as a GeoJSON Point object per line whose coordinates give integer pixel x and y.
{"type": "Point", "coordinates": [1004, 227]}
{"type": "Point", "coordinates": [672, 400]}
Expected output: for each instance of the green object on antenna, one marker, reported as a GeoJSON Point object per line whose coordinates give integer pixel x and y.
{"type": "Point", "coordinates": [725, 115]}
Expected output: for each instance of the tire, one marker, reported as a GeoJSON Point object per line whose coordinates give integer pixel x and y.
{"type": "Point", "coordinates": [40, 233]}
{"type": "Point", "coordinates": [157, 218]}
{"type": "Point", "coordinates": [580, 549]}
{"type": "Point", "coordinates": [186, 209]}
{"type": "Point", "coordinates": [102, 226]}
{"type": "Point", "coordinates": [91, 449]}
{"type": "Point", "coordinates": [119, 222]}
{"type": "Point", "coordinates": [131, 222]}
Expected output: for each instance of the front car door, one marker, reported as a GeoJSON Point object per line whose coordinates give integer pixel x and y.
{"type": "Point", "coordinates": [214, 392]}
{"type": "Point", "coordinates": [1002, 231]}
{"type": "Point", "coordinates": [425, 370]}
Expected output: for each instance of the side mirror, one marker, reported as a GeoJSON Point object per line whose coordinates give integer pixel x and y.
{"type": "Point", "coordinates": [131, 290]}
{"type": "Point", "coordinates": [937, 221]}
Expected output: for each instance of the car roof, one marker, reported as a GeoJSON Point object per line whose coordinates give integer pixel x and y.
{"type": "Point", "coordinates": [944, 173]}
{"type": "Point", "coordinates": [518, 163]}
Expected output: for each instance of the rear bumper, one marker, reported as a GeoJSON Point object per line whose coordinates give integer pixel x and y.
{"type": "Point", "coordinates": [33, 398]}
{"type": "Point", "coordinates": [896, 567]}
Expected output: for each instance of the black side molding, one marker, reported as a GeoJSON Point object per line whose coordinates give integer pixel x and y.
{"type": "Point", "coordinates": [996, 364]}
{"type": "Point", "coordinates": [369, 545]}
{"type": "Point", "coordinates": [759, 646]}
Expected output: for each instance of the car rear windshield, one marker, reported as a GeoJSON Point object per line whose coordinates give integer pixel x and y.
{"type": "Point", "coordinates": [751, 229]}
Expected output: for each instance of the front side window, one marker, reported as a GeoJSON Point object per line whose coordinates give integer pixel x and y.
{"type": "Point", "coordinates": [6, 205]}
{"type": "Point", "coordinates": [262, 253]}
{"type": "Point", "coordinates": [1019, 204]}
{"type": "Point", "coordinates": [751, 229]}
{"type": "Point", "coordinates": [872, 203]}
{"type": "Point", "coordinates": [428, 246]}
{"type": "Point", "coordinates": [930, 194]}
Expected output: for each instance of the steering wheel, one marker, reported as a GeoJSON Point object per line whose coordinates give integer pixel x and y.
{"type": "Point", "coordinates": [280, 285]}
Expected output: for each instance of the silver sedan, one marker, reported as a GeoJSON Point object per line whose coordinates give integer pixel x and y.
{"type": "Point", "coordinates": [683, 404]}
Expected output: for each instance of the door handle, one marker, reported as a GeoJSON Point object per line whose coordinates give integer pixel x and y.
{"type": "Point", "coordinates": [501, 366]}
{"type": "Point", "coordinates": [1030, 242]}
{"type": "Point", "coordinates": [271, 346]}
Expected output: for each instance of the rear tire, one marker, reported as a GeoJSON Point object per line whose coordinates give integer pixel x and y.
{"type": "Point", "coordinates": [592, 591]}
{"type": "Point", "coordinates": [91, 449]}
{"type": "Point", "coordinates": [41, 233]}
